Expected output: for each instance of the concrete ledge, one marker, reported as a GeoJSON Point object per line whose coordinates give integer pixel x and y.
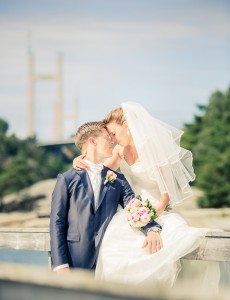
{"type": "Point", "coordinates": [26, 283]}
{"type": "Point", "coordinates": [214, 247]}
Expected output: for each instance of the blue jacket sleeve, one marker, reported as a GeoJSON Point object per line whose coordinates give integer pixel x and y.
{"type": "Point", "coordinates": [58, 222]}
{"type": "Point", "coordinates": [127, 193]}
{"type": "Point", "coordinates": [146, 228]}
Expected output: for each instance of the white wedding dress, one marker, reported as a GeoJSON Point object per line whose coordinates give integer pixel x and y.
{"type": "Point", "coordinates": [122, 258]}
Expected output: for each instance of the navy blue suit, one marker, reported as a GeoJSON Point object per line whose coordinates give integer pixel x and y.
{"type": "Point", "coordinates": [76, 229]}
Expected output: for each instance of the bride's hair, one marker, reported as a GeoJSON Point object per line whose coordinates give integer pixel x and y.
{"type": "Point", "coordinates": [116, 115]}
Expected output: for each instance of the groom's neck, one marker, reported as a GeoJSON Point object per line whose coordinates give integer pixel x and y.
{"type": "Point", "coordinates": [94, 158]}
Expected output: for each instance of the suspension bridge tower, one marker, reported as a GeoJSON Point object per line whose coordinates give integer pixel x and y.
{"type": "Point", "coordinates": [57, 77]}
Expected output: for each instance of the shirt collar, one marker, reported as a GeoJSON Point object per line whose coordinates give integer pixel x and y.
{"type": "Point", "coordinates": [94, 167]}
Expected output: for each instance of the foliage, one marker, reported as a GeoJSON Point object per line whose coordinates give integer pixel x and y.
{"type": "Point", "coordinates": [23, 163]}
{"type": "Point", "coordinates": [208, 137]}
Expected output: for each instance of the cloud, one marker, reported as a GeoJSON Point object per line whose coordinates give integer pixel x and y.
{"type": "Point", "coordinates": [138, 54]}
{"type": "Point", "coordinates": [91, 30]}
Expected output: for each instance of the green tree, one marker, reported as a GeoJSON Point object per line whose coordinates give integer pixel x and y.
{"type": "Point", "coordinates": [3, 127]}
{"type": "Point", "coordinates": [209, 139]}
{"type": "Point", "coordinates": [23, 163]}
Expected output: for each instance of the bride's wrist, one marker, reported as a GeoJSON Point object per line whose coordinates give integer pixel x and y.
{"type": "Point", "coordinates": [160, 208]}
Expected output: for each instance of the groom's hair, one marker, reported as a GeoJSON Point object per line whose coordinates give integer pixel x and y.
{"type": "Point", "coordinates": [86, 130]}
{"type": "Point", "coordinates": [116, 115]}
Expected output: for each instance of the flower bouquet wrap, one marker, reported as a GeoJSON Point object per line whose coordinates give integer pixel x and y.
{"type": "Point", "coordinates": [140, 212]}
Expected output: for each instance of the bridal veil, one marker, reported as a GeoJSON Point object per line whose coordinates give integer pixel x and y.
{"type": "Point", "coordinates": [158, 147]}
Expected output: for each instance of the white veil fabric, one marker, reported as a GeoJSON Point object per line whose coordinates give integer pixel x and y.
{"type": "Point", "coordinates": [158, 148]}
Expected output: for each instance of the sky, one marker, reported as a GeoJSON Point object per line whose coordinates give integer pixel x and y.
{"type": "Point", "coordinates": [168, 55]}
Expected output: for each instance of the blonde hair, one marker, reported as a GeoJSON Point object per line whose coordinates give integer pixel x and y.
{"type": "Point", "coordinates": [86, 130]}
{"type": "Point", "coordinates": [116, 115]}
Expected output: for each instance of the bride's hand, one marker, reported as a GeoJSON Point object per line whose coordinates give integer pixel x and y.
{"type": "Point", "coordinates": [79, 163]}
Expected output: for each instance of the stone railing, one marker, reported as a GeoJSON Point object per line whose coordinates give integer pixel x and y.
{"type": "Point", "coordinates": [27, 282]}
{"type": "Point", "coordinates": [215, 246]}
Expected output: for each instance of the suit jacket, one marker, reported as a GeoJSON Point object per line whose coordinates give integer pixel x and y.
{"type": "Point", "coordinates": [76, 229]}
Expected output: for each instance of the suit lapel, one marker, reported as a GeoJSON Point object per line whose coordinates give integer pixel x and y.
{"type": "Point", "coordinates": [87, 185]}
{"type": "Point", "coordinates": [103, 188]}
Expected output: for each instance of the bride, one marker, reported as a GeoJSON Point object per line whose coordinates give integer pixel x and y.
{"type": "Point", "coordinates": [148, 153]}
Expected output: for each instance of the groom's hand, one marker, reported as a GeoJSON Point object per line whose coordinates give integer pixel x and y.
{"type": "Point", "coordinates": [62, 271]}
{"type": "Point", "coordinates": [153, 241]}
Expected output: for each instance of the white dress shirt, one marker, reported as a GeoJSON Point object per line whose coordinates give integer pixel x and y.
{"type": "Point", "coordinates": [95, 179]}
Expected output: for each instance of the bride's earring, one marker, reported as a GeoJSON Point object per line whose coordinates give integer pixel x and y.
{"type": "Point", "coordinates": [128, 132]}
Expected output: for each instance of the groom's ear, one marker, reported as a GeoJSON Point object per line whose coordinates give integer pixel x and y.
{"type": "Point", "coordinates": [91, 141]}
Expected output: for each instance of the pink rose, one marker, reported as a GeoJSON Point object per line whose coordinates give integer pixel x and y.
{"type": "Point", "coordinates": [138, 203]}
{"type": "Point", "coordinates": [135, 202]}
{"type": "Point", "coordinates": [145, 218]}
{"type": "Point", "coordinates": [135, 217]}
{"type": "Point", "coordinates": [140, 212]}
{"type": "Point", "coordinates": [112, 175]}
{"type": "Point", "coordinates": [143, 210]}
{"type": "Point", "coordinates": [132, 202]}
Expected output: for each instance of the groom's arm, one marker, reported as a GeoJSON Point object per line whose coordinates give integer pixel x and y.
{"type": "Point", "coordinates": [58, 220]}
{"type": "Point", "coordinates": [127, 194]}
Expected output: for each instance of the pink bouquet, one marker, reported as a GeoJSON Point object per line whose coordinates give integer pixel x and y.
{"type": "Point", "coordinates": [140, 212]}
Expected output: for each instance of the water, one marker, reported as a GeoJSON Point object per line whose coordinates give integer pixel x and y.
{"type": "Point", "coordinates": [37, 258]}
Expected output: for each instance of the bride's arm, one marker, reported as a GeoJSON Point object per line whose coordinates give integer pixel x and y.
{"type": "Point", "coordinates": [162, 204]}
{"type": "Point", "coordinates": [164, 200]}
{"type": "Point", "coordinates": [113, 162]}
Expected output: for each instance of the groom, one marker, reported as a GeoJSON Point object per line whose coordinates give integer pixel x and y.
{"type": "Point", "coordinates": [84, 202]}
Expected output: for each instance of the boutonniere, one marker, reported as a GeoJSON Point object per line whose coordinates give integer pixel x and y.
{"type": "Point", "coordinates": [110, 177]}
